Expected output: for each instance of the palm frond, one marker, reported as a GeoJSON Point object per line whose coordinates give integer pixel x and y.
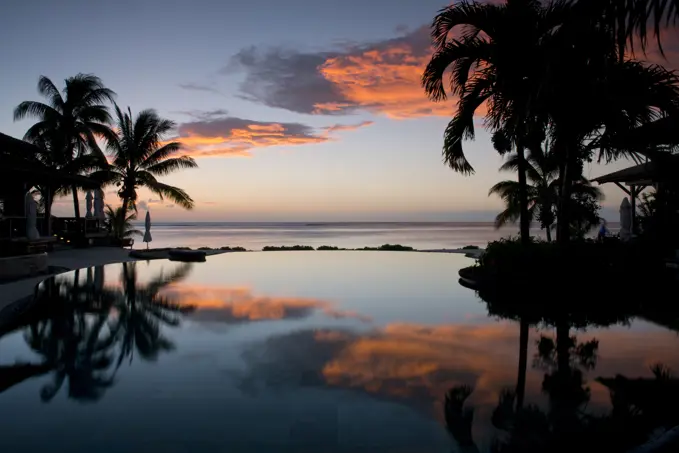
{"type": "Point", "coordinates": [478, 17]}
{"type": "Point", "coordinates": [172, 165]}
{"type": "Point", "coordinates": [47, 89]}
{"type": "Point", "coordinates": [163, 152]}
{"type": "Point", "coordinates": [462, 126]}
{"type": "Point", "coordinates": [462, 55]}
{"type": "Point", "coordinates": [510, 215]}
{"type": "Point", "coordinates": [34, 109]}
{"type": "Point", "coordinates": [505, 189]}
{"type": "Point", "coordinates": [175, 194]}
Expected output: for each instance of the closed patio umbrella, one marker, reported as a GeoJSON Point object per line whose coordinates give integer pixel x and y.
{"type": "Point", "coordinates": [88, 204]}
{"type": "Point", "coordinates": [31, 218]}
{"type": "Point", "coordinates": [625, 219]}
{"type": "Point", "coordinates": [147, 227]}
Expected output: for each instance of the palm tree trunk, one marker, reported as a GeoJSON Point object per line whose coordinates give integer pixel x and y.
{"type": "Point", "coordinates": [523, 361]}
{"type": "Point", "coordinates": [121, 221]}
{"type": "Point", "coordinates": [48, 212]}
{"type": "Point", "coordinates": [563, 217]}
{"type": "Point", "coordinates": [76, 203]}
{"type": "Point", "coordinates": [523, 195]}
{"type": "Point", "coordinates": [549, 232]}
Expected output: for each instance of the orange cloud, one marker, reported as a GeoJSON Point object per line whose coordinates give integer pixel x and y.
{"type": "Point", "coordinates": [233, 137]}
{"type": "Point", "coordinates": [236, 305]}
{"type": "Point", "coordinates": [230, 136]}
{"type": "Point", "coordinates": [381, 77]}
{"type": "Point", "coordinates": [348, 127]}
{"type": "Point", "coordinates": [383, 81]}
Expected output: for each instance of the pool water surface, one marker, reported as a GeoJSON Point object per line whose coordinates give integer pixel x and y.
{"type": "Point", "coordinates": [290, 351]}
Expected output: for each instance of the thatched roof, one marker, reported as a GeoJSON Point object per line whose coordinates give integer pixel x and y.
{"type": "Point", "coordinates": [661, 169]}
{"type": "Point", "coordinates": [661, 133]}
{"type": "Point", "coordinates": [17, 164]}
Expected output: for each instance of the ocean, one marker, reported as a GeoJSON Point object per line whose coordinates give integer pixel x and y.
{"type": "Point", "coordinates": [254, 236]}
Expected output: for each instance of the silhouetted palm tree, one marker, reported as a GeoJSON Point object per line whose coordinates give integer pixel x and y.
{"type": "Point", "coordinates": [542, 171]}
{"type": "Point", "coordinates": [69, 124]}
{"type": "Point", "coordinates": [629, 20]}
{"type": "Point", "coordinates": [50, 156]}
{"type": "Point", "coordinates": [140, 155]}
{"type": "Point", "coordinates": [120, 223]}
{"type": "Point", "coordinates": [554, 68]}
{"type": "Point", "coordinates": [500, 46]}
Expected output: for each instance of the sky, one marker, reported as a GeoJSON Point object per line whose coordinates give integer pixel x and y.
{"type": "Point", "coordinates": [295, 110]}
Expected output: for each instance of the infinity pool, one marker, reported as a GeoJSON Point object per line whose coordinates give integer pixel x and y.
{"type": "Point", "coordinates": [293, 351]}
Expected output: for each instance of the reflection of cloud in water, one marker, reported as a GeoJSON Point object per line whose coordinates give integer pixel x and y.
{"type": "Point", "coordinates": [409, 363]}
{"type": "Point", "coordinates": [234, 305]}
{"type": "Point", "coordinates": [418, 364]}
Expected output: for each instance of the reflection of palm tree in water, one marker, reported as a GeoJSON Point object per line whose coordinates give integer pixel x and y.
{"type": "Point", "coordinates": [72, 339]}
{"type": "Point", "coordinates": [77, 335]}
{"type": "Point", "coordinates": [528, 428]}
{"type": "Point", "coordinates": [640, 406]}
{"type": "Point", "coordinates": [143, 311]}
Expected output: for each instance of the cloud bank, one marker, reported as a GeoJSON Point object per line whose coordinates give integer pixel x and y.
{"type": "Point", "coordinates": [232, 136]}
{"type": "Point", "coordinates": [381, 78]}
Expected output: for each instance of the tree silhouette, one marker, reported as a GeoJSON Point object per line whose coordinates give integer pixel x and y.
{"type": "Point", "coordinates": [69, 124]}
{"type": "Point", "coordinates": [542, 172]}
{"type": "Point", "coordinates": [140, 155]}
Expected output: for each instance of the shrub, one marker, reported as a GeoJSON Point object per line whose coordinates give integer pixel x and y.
{"type": "Point", "coordinates": [470, 247]}
{"type": "Point", "coordinates": [286, 248]}
{"type": "Point", "coordinates": [390, 248]}
{"type": "Point", "coordinates": [233, 249]}
{"type": "Point", "coordinates": [584, 282]}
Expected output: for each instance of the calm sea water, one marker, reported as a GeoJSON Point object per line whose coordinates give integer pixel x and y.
{"type": "Point", "coordinates": [305, 351]}
{"type": "Point", "coordinates": [254, 236]}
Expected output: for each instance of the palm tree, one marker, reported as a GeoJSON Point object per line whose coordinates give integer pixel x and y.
{"type": "Point", "coordinates": [556, 68]}
{"type": "Point", "coordinates": [543, 192]}
{"type": "Point", "coordinates": [121, 223]}
{"type": "Point", "coordinates": [497, 62]}
{"type": "Point", "coordinates": [50, 156]}
{"type": "Point", "coordinates": [140, 154]}
{"type": "Point", "coordinates": [629, 20]}
{"type": "Point", "coordinates": [69, 123]}
{"type": "Point", "coordinates": [590, 92]}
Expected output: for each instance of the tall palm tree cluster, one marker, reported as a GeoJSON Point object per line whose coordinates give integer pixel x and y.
{"type": "Point", "coordinates": [74, 122]}
{"type": "Point", "coordinates": [561, 72]}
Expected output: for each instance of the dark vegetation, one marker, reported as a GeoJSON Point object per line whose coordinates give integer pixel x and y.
{"type": "Point", "coordinates": [233, 249]}
{"type": "Point", "coordinates": [385, 248]}
{"type": "Point", "coordinates": [287, 248]}
{"type": "Point", "coordinates": [390, 248]}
